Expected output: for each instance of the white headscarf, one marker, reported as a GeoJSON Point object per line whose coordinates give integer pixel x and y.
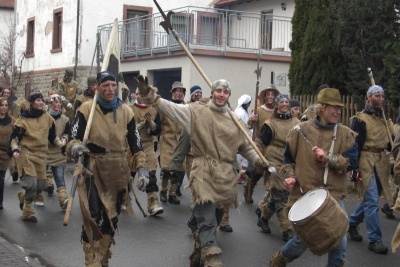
{"type": "Point", "coordinates": [240, 111]}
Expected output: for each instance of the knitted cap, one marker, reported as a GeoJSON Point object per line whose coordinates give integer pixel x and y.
{"type": "Point", "coordinates": [194, 89]}
{"type": "Point", "coordinates": [221, 84]}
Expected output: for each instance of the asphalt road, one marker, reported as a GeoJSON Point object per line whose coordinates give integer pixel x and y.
{"type": "Point", "coordinates": [166, 240]}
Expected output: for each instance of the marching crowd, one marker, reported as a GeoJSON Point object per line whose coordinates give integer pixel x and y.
{"type": "Point", "coordinates": [299, 157]}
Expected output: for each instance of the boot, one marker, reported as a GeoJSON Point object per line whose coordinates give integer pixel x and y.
{"type": "Point", "coordinates": [248, 189]}
{"type": "Point", "coordinates": [278, 260]}
{"type": "Point", "coordinates": [224, 225]}
{"type": "Point", "coordinates": [388, 211]}
{"type": "Point", "coordinates": [163, 196]}
{"type": "Point", "coordinates": [152, 204]}
{"type": "Point", "coordinates": [104, 249]}
{"type": "Point", "coordinates": [172, 194]}
{"type": "Point", "coordinates": [49, 187]}
{"type": "Point", "coordinates": [91, 256]}
{"type": "Point", "coordinates": [14, 176]}
{"type": "Point", "coordinates": [195, 256]}
{"type": "Point", "coordinates": [62, 197]}
{"type": "Point", "coordinates": [28, 212]}
{"type": "Point", "coordinates": [263, 223]}
{"type": "Point", "coordinates": [354, 235]}
{"type": "Point", "coordinates": [39, 200]}
{"type": "Point", "coordinates": [211, 256]}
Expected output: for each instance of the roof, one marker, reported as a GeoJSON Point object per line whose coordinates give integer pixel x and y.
{"type": "Point", "coordinates": [220, 3]}
{"type": "Point", "coordinates": [7, 4]}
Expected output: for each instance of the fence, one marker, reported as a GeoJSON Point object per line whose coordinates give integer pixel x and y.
{"type": "Point", "coordinates": [351, 107]}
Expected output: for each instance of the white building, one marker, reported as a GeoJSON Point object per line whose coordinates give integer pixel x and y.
{"type": "Point", "coordinates": [6, 27]}
{"type": "Point", "coordinates": [225, 40]}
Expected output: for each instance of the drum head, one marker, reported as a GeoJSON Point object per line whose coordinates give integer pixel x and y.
{"type": "Point", "coordinates": [307, 204]}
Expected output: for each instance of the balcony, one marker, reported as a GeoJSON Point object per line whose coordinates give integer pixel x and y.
{"type": "Point", "coordinates": [199, 28]}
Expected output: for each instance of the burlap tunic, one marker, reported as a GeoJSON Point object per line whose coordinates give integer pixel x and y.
{"type": "Point", "coordinates": [54, 156]}
{"type": "Point", "coordinates": [34, 145]}
{"type": "Point", "coordinates": [274, 151]}
{"type": "Point", "coordinates": [310, 173]}
{"type": "Point", "coordinates": [110, 170]}
{"type": "Point", "coordinates": [169, 138]}
{"type": "Point", "coordinates": [215, 140]}
{"type": "Point", "coordinates": [372, 156]}
{"type": "Point", "coordinates": [145, 136]}
{"type": "Point", "coordinates": [264, 114]}
{"type": "Point", "coordinates": [5, 133]}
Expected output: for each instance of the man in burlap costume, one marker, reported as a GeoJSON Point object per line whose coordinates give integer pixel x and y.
{"type": "Point", "coordinates": [373, 168]}
{"type": "Point", "coordinates": [169, 138]}
{"type": "Point", "coordinates": [69, 89]}
{"type": "Point", "coordinates": [304, 168]}
{"type": "Point", "coordinates": [272, 141]}
{"type": "Point", "coordinates": [88, 93]}
{"type": "Point", "coordinates": [55, 159]}
{"type": "Point", "coordinates": [13, 111]}
{"type": "Point", "coordinates": [6, 128]}
{"type": "Point", "coordinates": [396, 179]}
{"type": "Point", "coordinates": [215, 140]}
{"type": "Point", "coordinates": [113, 132]}
{"type": "Point", "coordinates": [264, 112]}
{"type": "Point", "coordinates": [148, 125]}
{"type": "Point", "coordinates": [33, 131]}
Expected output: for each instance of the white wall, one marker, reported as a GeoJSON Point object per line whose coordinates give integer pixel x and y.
{"type": "Point", "coordinates": [239, 72]}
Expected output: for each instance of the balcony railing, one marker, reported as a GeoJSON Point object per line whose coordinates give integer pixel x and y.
{"type": "Point", "coordinates": [203, 28]}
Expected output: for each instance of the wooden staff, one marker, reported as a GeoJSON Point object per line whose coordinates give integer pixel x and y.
{"type": "Point", "coordinates": [371, 77]}
{"type": "Point", "coordinates": [258, 73]}
{"type": "Point", "coordinates": [166, 24]}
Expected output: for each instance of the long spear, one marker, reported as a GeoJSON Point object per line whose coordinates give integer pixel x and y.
{"type": "Point", "coordinates": [258, 73]}
{"type": "Point", "coordinates": [166, 24]}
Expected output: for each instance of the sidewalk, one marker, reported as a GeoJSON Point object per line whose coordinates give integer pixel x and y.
{"type": "Point", "coordinates": [13, 256]}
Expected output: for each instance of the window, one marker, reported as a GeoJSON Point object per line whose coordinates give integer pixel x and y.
{"type": "Point", "coordinates": [181, 23]}
{"type": "Point", "coordinates": [57, 30]}
{"type": "Point", "coordinates": [209, 28]}
{"type": "Point", "coordinates": [137, 27]}
{"type": "Point", "coordinates": [266, 29]}
{"type": "Point", "coordinates": [30, 38]}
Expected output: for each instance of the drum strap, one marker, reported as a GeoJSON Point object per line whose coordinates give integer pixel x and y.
{"type": "Point", "coordinates": [330, 152]}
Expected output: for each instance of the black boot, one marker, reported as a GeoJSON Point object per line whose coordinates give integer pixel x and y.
{"type": "Point", "coordinates": [173, 200]}
{"type": "Point", "coordinates": [354, 235]}
{"type": "Point", "coordinates": [378, 247]}
{"type": "Point", "coordinates": [388, 211]}
{"type": "Point", "coordinates": [163, 196]}
{"type": "Point", "coordinates": [15, 176]}
{"type": "Point", "coordinates": [263, 223]}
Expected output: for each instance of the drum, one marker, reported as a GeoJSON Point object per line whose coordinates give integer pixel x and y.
{"type": "Point", "coordinates": [319, 221]}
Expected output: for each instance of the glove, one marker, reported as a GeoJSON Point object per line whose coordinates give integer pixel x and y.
{"type": "Point", "coordinates": [139, 126]}
{"type": "Point", "coordinates": [78, 150]}
{"type": "Point", "coordinates": [147, 92]}
{"type": "Point", "coordinates": [143, 179]}
{"type": "Point", "coordinates": [355, 176]}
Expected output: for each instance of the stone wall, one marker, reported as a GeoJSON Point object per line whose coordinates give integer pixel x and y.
{"type": "Point", "coordinates": [45, 79]}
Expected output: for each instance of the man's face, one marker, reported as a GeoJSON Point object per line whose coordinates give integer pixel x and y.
{"type": "Point", "coordinates": [376, 100]}
{"type": "Point", "coordinates": [68, 79]}
{"type": "Point", "coordinates": [283, 106]}
{"type": "Point", "coordinates": [92, 87]}
{"type": "Point", "coordinates": [38, 103]}
{"type": "Point", "coordinates": [107, 90]}
{"type": "Point", "coordinates": [295, 111]}
{"type": "Point", "coordinates": [178, 94]}
{"type": "Point", "coordinates": [220, 97]}
{"type": "Point", "coordinates": [197, 96]}
{"type": "Point", "coordinates": [269, 97]}
{"type": "Point", "coordinates": [331, 114]}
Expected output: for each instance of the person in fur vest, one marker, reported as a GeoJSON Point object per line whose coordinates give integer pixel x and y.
{"type": "Point", "coordinates": [215, 139]}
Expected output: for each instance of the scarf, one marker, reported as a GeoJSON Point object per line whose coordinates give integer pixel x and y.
{"type": "Point", "coordinates": [372, 111]}
{"type": "Point", "coordinates": [113, 104]}
{"type": "Point", "coordinates": [55, 114]}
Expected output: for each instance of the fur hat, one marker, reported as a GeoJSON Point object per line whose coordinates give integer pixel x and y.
{"type": "Point", "coordinates": [330, 96]}
{"type": "Point", "coordinates": [35, 95]}
{"type": "Point", "coordinates": [69, 72]}
{"type": "Point", "coordinates": [91, 79]}
{"type": "Point", "coordinates": [221, 84]}
{"type": "Point", "coordinates": [178, 84]}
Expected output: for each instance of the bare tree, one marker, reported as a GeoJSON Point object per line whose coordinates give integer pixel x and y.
{"type": "Point", "coordinates": [7, 41]}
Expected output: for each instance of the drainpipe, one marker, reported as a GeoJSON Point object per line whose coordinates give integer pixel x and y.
{"type": "Point", "coordinates": [77, 37]}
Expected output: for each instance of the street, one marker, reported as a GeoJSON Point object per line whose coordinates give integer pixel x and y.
{"type": "Point", "coordinates": [166, 240]}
